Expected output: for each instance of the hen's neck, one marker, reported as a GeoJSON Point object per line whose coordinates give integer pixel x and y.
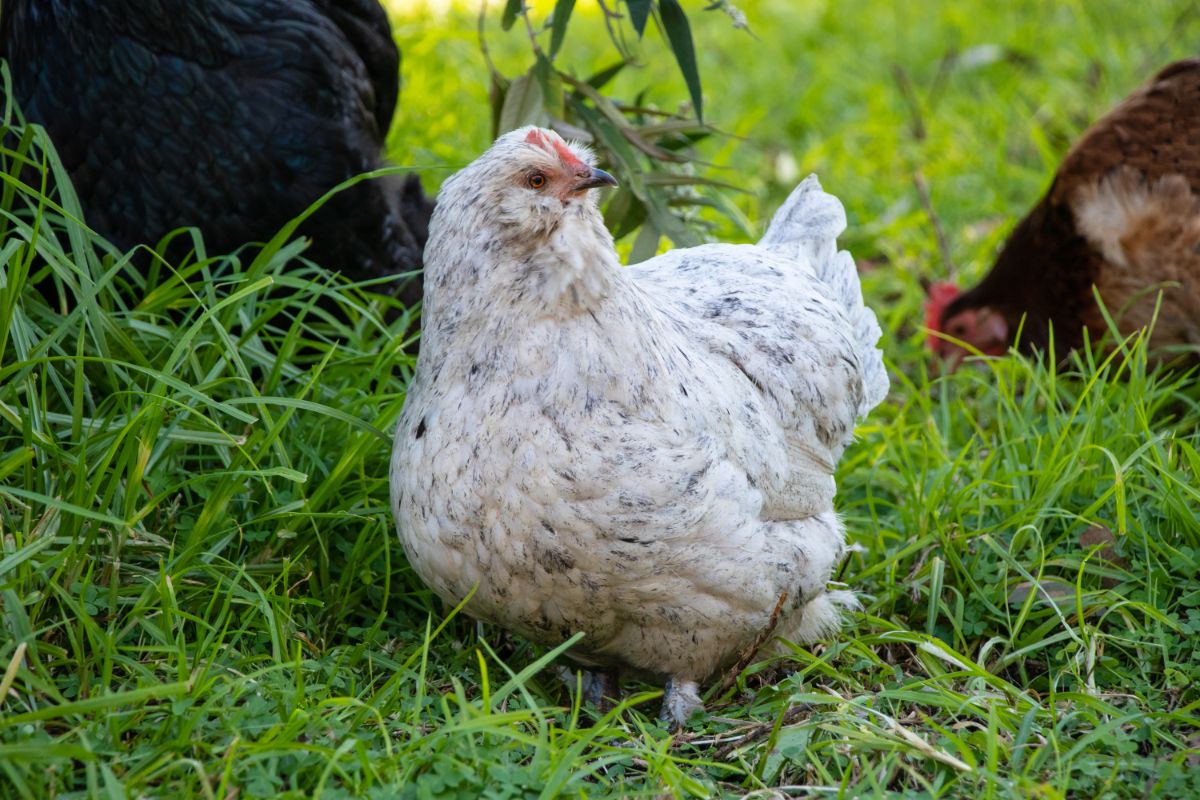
{"type": "Point", "coordinates": [574, 270]}
{"type": "Point", "coordinates": [541, 315]}
{"type": "Point", "coordinates": [488, 271]}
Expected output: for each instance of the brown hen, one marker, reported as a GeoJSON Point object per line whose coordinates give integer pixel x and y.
{"type": "Point", "coordinates": [1123, 215]}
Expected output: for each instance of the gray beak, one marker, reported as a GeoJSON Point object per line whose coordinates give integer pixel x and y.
{"type": "Point", "coordinates": [595, 180]}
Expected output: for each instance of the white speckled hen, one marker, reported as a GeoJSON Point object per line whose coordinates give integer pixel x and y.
{"type": "Point", "coordinates": [643, 454]}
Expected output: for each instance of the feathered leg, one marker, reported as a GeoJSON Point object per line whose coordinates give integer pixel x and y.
{"type": "Point", "coordinates": [681, 699]}
{"type": "Point", "coordinates": [601, 689]}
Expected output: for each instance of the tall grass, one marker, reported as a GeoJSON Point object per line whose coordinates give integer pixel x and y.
{"type": "Point", "coordinates": [201, 594]}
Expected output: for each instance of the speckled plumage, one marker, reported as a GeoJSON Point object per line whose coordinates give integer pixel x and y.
{"type": "Point", "coordinates": [642, 454]}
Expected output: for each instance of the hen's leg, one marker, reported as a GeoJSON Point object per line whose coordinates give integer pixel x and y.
{"type": "Point", "coordinates": [601, 689]}
{"type": "Point", "coordinates": [681, 699]}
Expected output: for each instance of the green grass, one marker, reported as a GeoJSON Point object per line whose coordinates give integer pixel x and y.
{"type": "Point", "coordinates": [201, 594]}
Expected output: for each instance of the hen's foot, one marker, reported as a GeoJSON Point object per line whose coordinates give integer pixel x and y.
{"type": "Point", "coordinates": [601, 690]}
{"type": "Point", "coordinates": [681, 699]}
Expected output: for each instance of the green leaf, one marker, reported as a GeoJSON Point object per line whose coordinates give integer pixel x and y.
{"type": "Point", "coordinates": [62, 505]}
{"type": "Point", "coordinates": [558, 24]}
{"type": "Point", "coordinates": [599, 79]}
{"type": "Point", "coordinates": [639, 12]}
{"type": "Point", "coordinates": [716, 200]}
{"type": "Point", "coordinates": [44, 751]}
{"type": "Point", "coordinates": [679, 34]}
{"type": "Point", "coordinates": [667, 223]}
{"type": "Point", "coordinates": [497, 95]}
{"type": "Point", "coordinates": [624, 213]}
{"type": "Point", "coordinates": [104, 702]}
{"type": "Point", "coordinates": [15, 461]}
{"type": "Point", "coordinates": [309, 405]}
{"type": "Point", "coordinates": [610, 111]}
{"type": "Point", "coordinates": [551, 85]}
{"type": "Point", "coordinates": [646, 244]}
{"type": "Point", "coordinates": [626, 160]}
{"type": "Point", "coordinates": [623, 156]}
{"type": "Point", "coordinates": [24, 554]}
{"type": "Point", "coordinates": [523, 105]}
{"type": "Point", "coordinates": [668, 179]}
{"type": "Point", "coordinates": [510, 13]}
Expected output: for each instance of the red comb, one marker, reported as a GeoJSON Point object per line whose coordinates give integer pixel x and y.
{"type": "Point", "coordinates": [941, 294]}
{"type": "Point", "coordinates": [537, 137]}
{"type": "Point", "coordinates": [541, 138]}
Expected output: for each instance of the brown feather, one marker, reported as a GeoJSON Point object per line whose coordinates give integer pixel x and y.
{"type": "Point", "coordinates": [1123, 214]}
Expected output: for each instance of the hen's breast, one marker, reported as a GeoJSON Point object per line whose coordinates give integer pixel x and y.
{"type": "Point", "coordinates": [597, 490]}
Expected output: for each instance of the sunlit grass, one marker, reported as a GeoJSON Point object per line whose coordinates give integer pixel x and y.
{"type": "Point", "coordinates": [201, 594]}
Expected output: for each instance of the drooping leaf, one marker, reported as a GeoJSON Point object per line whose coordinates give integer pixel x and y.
{"type": "Point", "coordinates": [671, 179]}
{"type": "Point", "coordinates": [524, 104]}
{"type": "Point", "coordinates": [675, 134]}
{"type": "Point", "coordinates": [719, 202]}
{"type": "Point", "coordinates": [610, 136]}
{"type": "Point", "coordinates": [497, 94]}
{"type": "Point", "coordinates": [624, 213]}
{"type": "Point", "coordinates": [645, 245]}
{"type": "Point", "coordinates": [551, 85]}
{"type": "Point", "coordinates": [620, 131]}
{"type": "Point", "coordinates": [510, 13]}
{"type": "Point", "coordinates": [667, 222]}
{"type": "Point", "coordinates": [639, 12]}
{"type": "Point", "coordinates": [679, 34]}
{"type": "Point", "coordinates": [603, 104]}
{"type": "Point", "coordinates": [605, 75]}
{"type": "Point", "coordinates": [650, 148]}
{"type": "Point", "coordinates": [558, 26]}
{"type": "Point", "coordinates": [658, 214]}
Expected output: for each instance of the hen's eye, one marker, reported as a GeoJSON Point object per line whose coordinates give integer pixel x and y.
{"type": "Point", "coordinates": [536, 181]}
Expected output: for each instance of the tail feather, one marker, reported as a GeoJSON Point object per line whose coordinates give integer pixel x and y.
{"type": "Point", "coordinates": [806, 228]}
{"type": "Point", "coordinates": [821, 616]}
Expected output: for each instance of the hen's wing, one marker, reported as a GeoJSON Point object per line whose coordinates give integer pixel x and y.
{"type": "Point", "coordinates": [1155, 131]}
{"type": "Point", "coordinates": [1132, 183]}
{"type": "Point", "coordinates": [787, 314]}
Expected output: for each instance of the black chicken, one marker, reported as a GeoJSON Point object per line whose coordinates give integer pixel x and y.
{"type": "Point", "coordinates": [229, 115]}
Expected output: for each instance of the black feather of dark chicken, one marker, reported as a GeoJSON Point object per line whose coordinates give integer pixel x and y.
{"type": "Point", "coordinates": [229, 115]}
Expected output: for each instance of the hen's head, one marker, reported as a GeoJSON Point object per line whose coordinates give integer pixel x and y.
{"type": "Point", "coordinates": [982, 327]}
{"type": "Point", "coordinates": [531, 179]}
